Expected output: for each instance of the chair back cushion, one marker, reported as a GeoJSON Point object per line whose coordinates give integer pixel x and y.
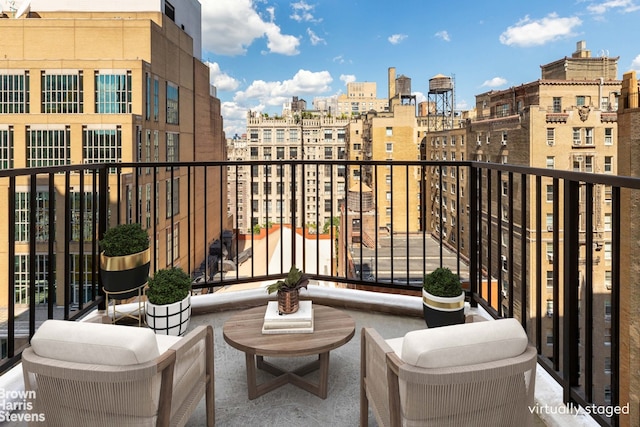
{"type": "Point", "coordinates": [464, 344]}
{"type": "Point", "coordinates": [94, 343]}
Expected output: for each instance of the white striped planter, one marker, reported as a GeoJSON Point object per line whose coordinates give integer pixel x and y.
{"type": "Point", "coordinates": [169, 319]}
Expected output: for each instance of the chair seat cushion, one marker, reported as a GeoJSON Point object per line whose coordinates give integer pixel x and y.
{"type": "Point", "coordinates": [464, 344]}
{"type": "Point", "coordinates": [94, 343]}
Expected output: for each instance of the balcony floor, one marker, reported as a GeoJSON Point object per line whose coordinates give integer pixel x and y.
{"type": "Point", "coordinates": [289, 405]}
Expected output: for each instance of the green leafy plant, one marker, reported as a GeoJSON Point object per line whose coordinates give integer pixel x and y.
{"type": "Point", "coordinates": [168, 286]}
{"type": "Point", "coordinates": [442, 282]}
{"type": "Point", "coordinates": [124, 239]}
{"type": "Point", "coordinates": [295, 279]}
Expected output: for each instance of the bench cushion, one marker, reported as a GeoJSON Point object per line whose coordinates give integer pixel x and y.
{"type": "Point", "coordinates": [465, 344]}
{"type": "Point", "coordinates": [94, 343]}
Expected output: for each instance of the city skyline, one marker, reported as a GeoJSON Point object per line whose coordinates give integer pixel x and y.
{"type": "Point", "coordinates": [262, 53]}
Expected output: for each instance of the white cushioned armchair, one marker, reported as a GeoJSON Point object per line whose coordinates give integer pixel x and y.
{"type": "Point", "coordinates": [473, 374]}
{"type": "Point", "coordinates": [109, 375]}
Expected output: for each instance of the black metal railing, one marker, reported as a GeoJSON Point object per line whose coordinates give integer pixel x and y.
{"type": "Point", "coordinates": [540, 245]}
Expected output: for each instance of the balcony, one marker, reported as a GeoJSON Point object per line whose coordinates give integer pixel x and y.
{"type": "Point", "coordinates": [489, 253]}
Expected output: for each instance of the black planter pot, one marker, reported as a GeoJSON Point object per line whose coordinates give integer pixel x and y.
{"type": "Point", "coordinates": [125, 274]}
{"type": "Point", "coordinates": [439, 311]}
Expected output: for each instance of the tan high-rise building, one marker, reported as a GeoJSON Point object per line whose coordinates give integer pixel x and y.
{"type": "Point", "coordinates": [566, 120]}
{"type": "Point", "coordinates": [310, 135]}
{"type": "Point", "coordinates": [360, 98]}
{"type": "Point", "coordinates": [110, 81]}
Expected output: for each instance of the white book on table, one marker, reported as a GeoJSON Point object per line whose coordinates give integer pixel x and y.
{"type": "Point", "coordinates": [299, 322]}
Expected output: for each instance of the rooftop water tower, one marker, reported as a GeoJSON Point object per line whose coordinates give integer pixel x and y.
{"type": "Point", "coordinates": [440, 102]}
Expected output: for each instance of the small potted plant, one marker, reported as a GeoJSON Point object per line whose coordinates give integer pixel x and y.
{"type": "Point", "coordinates": [124, 260]}
{"type": "Point", "coordinates": [442, 298]}
{"type": "Point", "coordinates": [168, 307]}
{"type": "Point", "coordinates": [288, 290]}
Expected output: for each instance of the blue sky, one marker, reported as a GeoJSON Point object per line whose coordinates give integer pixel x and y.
{"type": "Point", "coordinates": [263, 52]}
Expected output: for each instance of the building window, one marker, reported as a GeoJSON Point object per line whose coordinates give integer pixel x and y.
{"type": "Point", "coordinates": [607, 221]}
{"type": "Point", "coordinates": [580, 100]}
{"type": "Point", "coordinates": [607, 251]}
{"type": "Point", "coordinates": [170, 10]}
{"type": "Point", "coordinates": [156, 99]}
{"type": "Point", "coordinates": [551, 162]}
{"type": "Point", "coordinates": [388, 195]}
{"type": "Point", "coordinates": [389, 131]}
{"type": "Point", "coordinates": [607, 311]}
{"type": "Point", "coordinates": [86, 279]}
{"type": "Point", "coordinates": [608, 164]}
{"type": "Point", "coordinates": [6, 148]}
{"type": "Point", "coordinates": [389, 147]}
{"type": "Point", "coordinates": [608, 194]}
{"type": "Point", "coordinates": [62, 93]}
{"type": "Point", "coordinates": [173, 104]}
{"type": "Point", "coordinates": [550, 193]}
{"type": "Point", "coordinates": [173, 147]}
{"type": "Point", "coordinates": [176, 241]}
{"type": "Point", "coordinates": [328, 153]}
{"type": "Point", "coordinates": [588, 163]}
{"type": "Point", "coordinates": [557, 104]}
{"type": "Point", "coordinates": [551, 136]}
{"type": "Point", "coordinates": [14, 93]}
{"type": "Point", "coordinates": [82, 216]}
{"type": "Point", "coordinates": [266, 135]}
{"type": "Point", "coordinates": [608, 136]}
{"type": "Point", "coordinates": [102, 145]}
{"type": "Point", "coordinates": [22, 278]}
{"type": "Point", "coordinates": [22, 216]}
{"type": "Point", "coordinates": [147, 98]}
{"type": "Point", "coordinates": [577, 137]}
{"type": "Point", "coordinates": [549, 280]}
{"type": "Point", "coordinates": [588, 136]}
{"type": "Point", "coordinates": [549, 337]}
{"type": "Point", "coordinates": [113, 93]}
{"type": "Point", "coordinates": [549, 222]}
{"type": "Point", "coordinates": [172, 197]}
{"type": "Point", "coordinates": [48, 147]}
{"type": "Point", "coordinates": [607, 279]}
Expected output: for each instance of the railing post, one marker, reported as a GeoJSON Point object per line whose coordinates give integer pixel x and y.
{"type": "Point", "coordinates": [103, 218]}
{"type": "Point", "coordinates": [570, 336]}
{"type": "Point", "coordinates": [473, 234]}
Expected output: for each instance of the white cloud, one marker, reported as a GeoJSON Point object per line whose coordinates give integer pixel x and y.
{"type": "Point", "coordinates": [229, 27]}
{"type": "Point", "coordinates": [635, 64]}
{"type": "Point", "coordinates": [625, 6]}
{"type": "Point", "coordinates": [444, 35]}
{"type": "Point", "coordinates": [462, 105]}
{"type": "Point", "coordinates": [220, 80]}
{"type": "Point", "coordinates": [313, 37]}
{"type": "Point", "coordinates": [420, 97]}
{"type": "Point", "coordinates": [527, 32]}
{"type": "Point", "coordinates": [396, 38]}
{"type": "Point", "coordinates": [494, 82]}
{"type": "Point", "coordinates": [339, 59]}
{"type": "Point", "coordinates": [235, 118]}
{"type": "Point", "coordinates": [302, 12]}
{"type": "Point", "coordinates": [347, 78]}
{"type": "Point", "coordinates": [276, 93]}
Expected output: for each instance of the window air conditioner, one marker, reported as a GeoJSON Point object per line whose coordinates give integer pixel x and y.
{"type": "Point", "coordinates": [504, 143]}
{"type": "Point", "coordinates": [549, 313]}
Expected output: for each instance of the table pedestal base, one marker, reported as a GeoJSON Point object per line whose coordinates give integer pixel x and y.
{"type": "Point", "coordinates": [283, 377]}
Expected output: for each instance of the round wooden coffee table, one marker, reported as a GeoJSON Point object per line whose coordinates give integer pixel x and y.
{"type": "Point", "coordinates": [243, 331]}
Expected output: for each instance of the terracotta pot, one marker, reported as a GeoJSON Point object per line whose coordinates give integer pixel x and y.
{"type": "Point", "coordinates": [288, 301]}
